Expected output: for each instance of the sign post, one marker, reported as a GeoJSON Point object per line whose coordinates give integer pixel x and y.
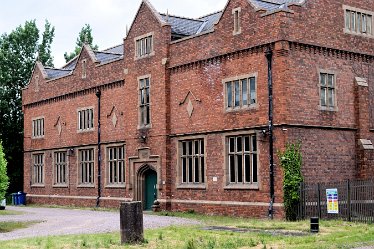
{"type": "Point", "coordinates": [332, 201]}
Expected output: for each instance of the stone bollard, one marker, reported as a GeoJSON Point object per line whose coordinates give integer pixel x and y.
{"type": "Point", "coordinates": [131, 217]}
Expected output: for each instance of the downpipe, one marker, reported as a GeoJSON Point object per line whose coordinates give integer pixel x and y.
{"type": "Point", "coordinates": [98, 95]}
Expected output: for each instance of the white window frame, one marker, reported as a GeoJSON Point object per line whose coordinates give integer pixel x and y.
{"type": "Point", "coordinates": [144, 46]}
{"type": "Point", "coordinates": [83, 167]}
{"type": "Point", "coordinates": [82, 127]}
{"type": "Point", "coordinates": [38, 127]}
{"type": "Point", "coordinates": [359, 29]}
{"type": "Point", "coordinates": [37, 170]}
{"type": "Point", "coordinates": [144, 105]}
{"type": "Point", "coordinates": [115, 184]}
{"type": "Point", "coordinates": [201, 156]}
{"type": "Point", "coordinates": [327, 106]}
{"type": "Point", "coordinates": [58, 167]}
{"type": "Point", "coordinates": [241, 106]}
{"type": "Point", "coordinates": [237, 21]}
{"type": "Point", "coordinates": [243, 184]}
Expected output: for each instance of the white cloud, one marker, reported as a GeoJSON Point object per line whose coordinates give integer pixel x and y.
{"type": "Point", "coordinates": [108, 18]}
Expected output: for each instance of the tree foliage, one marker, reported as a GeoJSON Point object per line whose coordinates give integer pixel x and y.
{"type": "Point", "coordinates": [84, 37]}
{"type": "Point", "coordinates": [291, 161]}
{"type": "Point", "coordinates": [18, 52]}
{"type": "Point", "coordinates": [4, 180]}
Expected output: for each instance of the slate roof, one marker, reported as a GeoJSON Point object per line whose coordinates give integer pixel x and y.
{"type": "Point", "coordinates": [115, 50]}
{"type": "Point", "coordinates": [271, 5]}
{"type": "Point", "coordinates": [53, 73]}
{"type": "Point", "coordinates": [105, 57]}
{"type": "Point", "coordinates": [185, 26]}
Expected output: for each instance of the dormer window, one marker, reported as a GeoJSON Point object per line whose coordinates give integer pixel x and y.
{"type": "Point", "coordinates": [84, 69]}
{"type": "Point", "coordinates": [237, 23]}
{"type": "Point", "coordinates": [358, 21]}
{"type": "Point", "coordinates": [144, 46]}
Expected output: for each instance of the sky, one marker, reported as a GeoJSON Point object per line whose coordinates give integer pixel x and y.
{"type": "Point", "coordinates": [107, 18]}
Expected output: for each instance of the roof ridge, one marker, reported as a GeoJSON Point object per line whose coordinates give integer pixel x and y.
{"type": "Point", "coordinates": [216, 12]}
{"type": "Point", "coordinates": [183, 17]}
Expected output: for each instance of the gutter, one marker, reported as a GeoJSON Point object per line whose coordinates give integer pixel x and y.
{"type": "Point", "coordinates": [269, 57]}
{"type": "Point", "coordinates": [98, 95]}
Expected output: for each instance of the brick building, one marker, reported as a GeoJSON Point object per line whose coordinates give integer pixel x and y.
{"type": "Point", "coordinates": [183, 108]}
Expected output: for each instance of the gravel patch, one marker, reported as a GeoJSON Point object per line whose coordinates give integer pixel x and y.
{"type": "Point", "coordinates": [57, 221]}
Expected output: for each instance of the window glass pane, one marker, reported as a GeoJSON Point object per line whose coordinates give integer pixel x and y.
{"type": "Point", "coordinates": [254, 167]}
{"type": "Point", "coordinates": [239, 144]}
{"type": "Point", "coordinates": [364, 23]}
{"type": "Point", "coordinates": [323, 96]}
{"type": "Point", "coordinates": [348, 19]}
{"type": "Point", "coordinates": [353, 21]}
{"type": "Point", "coordinates": [246, 143]}
{"type": "Point", "coordinates": [237, 93]}
{"type": "Point", "coordinates": [148, 113]}
{"type": "Point", "coordinates": [247, 168]}
{"type": "Point", "coordinates": [190, 170]}
{"type": "Point", "coordinates": [202, 163]}
{"type": "Point", "coordinates": [323, 79]}
{"type": "Point", "coordinates": [369, 23]}
{"type": "Point", "coordinates": [331, 80]}
{"type": "Point", "coordinates": [184, 170]}
{"type": "Point", "coordinates": [229, 94]}
{"type": "Point", "coordinates": [245, 91]}
{"type": "Point", "coordinates": [253, 90]}
{"type": "Point", "coordinates": [196, 147]}
{"type": "Point", "coordinates": [197, 172]}
{"type": "Point", "coordinates": [184, 148]}
{"type": "Point", "coordinates": [240, 168]}
{"type": "Point", "coordinates": [232, 168]}
{"type": "Point", "coordinates": [358, 22]}
{"type": "Point", "coordinates": [254, 143]}
{"type": "Point", "coordinates": [190, 151]}
{"type": "Point", "coordinates": [331, 97]}
{"type": "Point", "coordinates": [202, 147]}
{"type": "Point", "coordinates": [232, 144]}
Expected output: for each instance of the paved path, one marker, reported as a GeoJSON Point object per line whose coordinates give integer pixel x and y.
{"type": "Point", "coordinates": [57, 221]}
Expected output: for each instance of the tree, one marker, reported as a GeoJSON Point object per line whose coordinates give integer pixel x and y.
{"type": "Point", "coordinates": [45, 52]}
{"type": "Point", "coordinates": [18, 52]}
{"type": "Point", "coordinates": [4, 180]}
{"type": "Point", "coordinates": [84, 37]}
{"type": "Point", "coordinates": [291, 161]}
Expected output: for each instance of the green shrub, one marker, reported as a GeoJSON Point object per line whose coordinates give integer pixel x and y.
{"type": "Point", "coordinates": [291, 160]}
{"type": "Point", "coordinates": [4, 180]}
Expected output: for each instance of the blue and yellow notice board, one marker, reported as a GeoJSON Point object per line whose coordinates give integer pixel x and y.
{"type": "Point", "coordinates": [332, 201]}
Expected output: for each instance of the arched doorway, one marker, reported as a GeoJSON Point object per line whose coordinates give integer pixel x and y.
{"type": "Point", "coordinates": [147, 186]}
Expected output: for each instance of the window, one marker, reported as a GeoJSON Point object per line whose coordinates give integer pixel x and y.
{"type": "Point", "coordinates": [242, 159]}
{"type": "Point", "coordinates": [38, 128]}
{"type": "Point", "coordinates": [116, 165]}
{"type": "Point", "coordinates": [85, 119]}
{"type": "Point", "coordinates": [84, 69]}
{"type": "Point", "coordinates": [192, 161]}
{"type": "Point", "coordinates": [358, 21]}
{"type": "Point", "coordinates": [144, 46]}
{"type": "Point", "coordinates": [327, 92]}
{"type": "Point", "coordinates": [86, 167]}
{"type": "Point", "coordinates": [60, 168]}
{"type": "Point", "coordinates": [38, 169]}
{"type": "Point", "coordinates": [237, 24]}
{"type": "Point", "coordinates": [144, 102]}
{"type": "Point", "coordinates": [240, 93]}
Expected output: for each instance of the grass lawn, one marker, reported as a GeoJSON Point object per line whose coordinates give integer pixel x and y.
{"type": "Point", "coordinates": [261, 234]}
{"type": "Point", "coordinates": [9, 226]}
{"type": "Point", "coordinates": [10, 212]}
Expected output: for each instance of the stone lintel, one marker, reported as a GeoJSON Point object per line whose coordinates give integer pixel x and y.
{"type": "Point", "coordinates": [366, 144]}
{"type": "Point", "coordinates": [361, 81]}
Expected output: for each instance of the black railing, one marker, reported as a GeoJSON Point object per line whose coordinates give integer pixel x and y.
{"type": "Point", "coordinates": [355, 198]}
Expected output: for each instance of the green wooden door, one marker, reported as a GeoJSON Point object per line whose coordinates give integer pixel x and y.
{"type": "Point", "coordinates": [150, 194]}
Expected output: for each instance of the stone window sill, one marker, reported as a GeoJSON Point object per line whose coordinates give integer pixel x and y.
{"type": "Point", "coordinates": [60, 186]}
{"type": "Point", "coordinates": [192, 186]}
{"type": "Point", "coordinates": [328, 109]}
{"type": "Point", "coordinates": [114, 186]}
{"type": "Point", "coordinates": [86, 186]}
{"type": "Point", "coordinates": [241, 187]}
{"type": "Point", "coordinates": [38, 186]}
